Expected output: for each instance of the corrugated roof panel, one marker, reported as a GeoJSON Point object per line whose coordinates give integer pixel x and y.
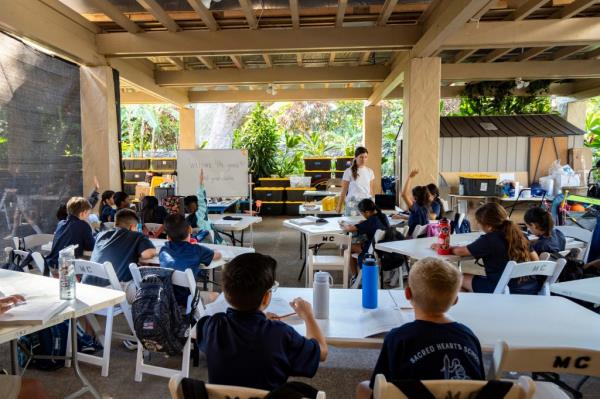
{"type": "Point", "coordinates": [507, 126]}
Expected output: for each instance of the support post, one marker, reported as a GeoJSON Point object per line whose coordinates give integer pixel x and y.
{"type": "Point", "coordinates": [372, 140]}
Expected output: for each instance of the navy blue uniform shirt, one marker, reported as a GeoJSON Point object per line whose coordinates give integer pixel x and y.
{"type": "Point", "coordinates": [492, 249]}
{"type": "Point", "coordinates": [247, 349]}
{"type": "Point", "coordinates": [120, 247]}
{"type": "Point", "coordinates": [555, 243]}
{"type": "Point", "coordinates": [369, 227]}
{"type": "Point", "coordinates": [107, 214]}
{"type": "Point", "coordinates": [423, 350]}
{"type": "Point", "coordinates": [71, 231]}
{"type": "Point", "coordinates": [436, 207]}
{"type": "Point", "coordinates": [419, 215]}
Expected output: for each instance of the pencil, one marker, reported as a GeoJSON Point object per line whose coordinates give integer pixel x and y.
{"type": "Point", "coordinates": [287, 315]}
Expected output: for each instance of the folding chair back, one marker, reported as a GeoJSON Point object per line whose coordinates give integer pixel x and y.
{"type": "Point", "coordinates": [523, 388]}
{"type": "Point", "coordinates": [329, 262]}
{"type": "Point", "coordinates": [580, 234]}
{"type": "Point", "coordinates": [32, 241]}
{"type": "Point", "coordinates": [153, 227]}
{"type": "Point", "coordinates": [544, 360]}
{"type": "Point", "coordinates": [419, 231]}
{"type": "Point", "coordinates": [38, 259]}
{"type": "Point", "coordinates": [182, 279]}
{"type": "Point", "coordinates": [537, 268]}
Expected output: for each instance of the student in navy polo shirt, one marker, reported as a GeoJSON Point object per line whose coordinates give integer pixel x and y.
{"type": "Point", "coordinates": [121, 246]}
{"type": "Point", "coordinates": [179, 254]}
{"type": "Point", "coordinates": [419, 204]}
{"type": "Point", "coordinates": [121, 200]}
{"type": "Point", "coordinates": [107, 213]}
{"type": "Point", "coordinates": [375, 220]}
{"type": "Point", "coordinates": [73, 230]}
{"type": "Point", "coordinates": [433, 347]}
{"type": "Point", "coordinates": [502, 242]}
{"type": "Point", "coordinates": [191, 206]}
{"type": "Point", "coordinates": [539, 222]}
{"type": "Point", "coordinates": [243, 346]}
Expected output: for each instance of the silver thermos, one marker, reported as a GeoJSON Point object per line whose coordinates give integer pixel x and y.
{"type": "Point", "coordinates": [321, 284]}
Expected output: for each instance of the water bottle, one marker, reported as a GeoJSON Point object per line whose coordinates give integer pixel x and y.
{"type": "Point", "coordinates": [140, 227]}
{"type": "Point", "coordinates": [66, 272]}
{"type": "Point", "coordinates": [321, 284]}
{"type": "Point", "coordinates": [444, 238]}
{"type": "Point", "coordinates": [370, 282]}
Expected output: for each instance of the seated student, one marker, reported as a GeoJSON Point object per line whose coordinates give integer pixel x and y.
{"type": "Point", "coordinates": [179, 254]}
{"type": "Point", "coordinates": [436, 203]}
{"type": "Point", "coordinates": [121, 246]}
{"type": "Point", "coordinates": [419, 204]}
{"type": "Point", "coordinates": [375, 220]}
{"type": "Point", "coordinates": [433, 347]}
{"type": "Point", "coordinates": [191, 206]}
{"type": "Point", "coordinates": [12, 386]}
{"type": "Point", "coordinates": [540, 223]}
{"type": "Point", "coordinates": [73, 230]}
{"type": "Point", "coordinates": [121, 200]}
{"type": "Point", "coordinates": [503, 241]}
{"type": "Point", "coordinates": [151, 211]}
{"type": "Point", "coordinates": [107, 213]}
{"type": "Point", "coordinates": [243, 346]}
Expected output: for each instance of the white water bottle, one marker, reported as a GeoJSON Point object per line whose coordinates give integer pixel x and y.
{"type": "Point", "coordinates": [321, 284]}
{"type": "Point", "coordinates": [66, 272]}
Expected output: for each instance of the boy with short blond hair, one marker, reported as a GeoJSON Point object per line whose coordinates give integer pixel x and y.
{"type": "Point", "coordinates": [433, 347]}
{"type": "Point", "coordinates": [73, 230]}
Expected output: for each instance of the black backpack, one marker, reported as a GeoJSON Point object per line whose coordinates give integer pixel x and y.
{"type": "Point", "coordinates": [415, 389]}
{"type": "Point", "coordinates": [17, 263]}
{"type": "Point", "coordinates": [390, 261]}
{"type": "Point", "coordinates": [196, 389]}
{"type": "Point", "coordinates": [51, 341]}
{"type": "Point", "coordinates": [158, 321]}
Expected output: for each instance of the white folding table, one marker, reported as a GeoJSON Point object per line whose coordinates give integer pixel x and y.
{"type": "Point", "coordinates": [230, 227]}
{"type": "Point", "coordinates": [228, 251]}
{"type": "Point", "coordinates": [587, 289]}
{"type": "Point", "coordinates": [89, 299]}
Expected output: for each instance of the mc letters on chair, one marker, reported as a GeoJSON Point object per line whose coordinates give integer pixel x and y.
{"type": "Point", "coordinates": [581, 362]}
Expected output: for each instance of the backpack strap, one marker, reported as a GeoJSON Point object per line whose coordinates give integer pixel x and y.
{"type": "Point", "coordinates": [413, 389]}
{"type": "Point", "coordinates": [193, 389]}
{"type": "Point", "coordinates": [293, 390]}
{"type": "Point", "coordinates": [494, 389]}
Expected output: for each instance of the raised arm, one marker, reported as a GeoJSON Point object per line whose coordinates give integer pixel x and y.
{"type": "Point", "coordinates": [406, 189]}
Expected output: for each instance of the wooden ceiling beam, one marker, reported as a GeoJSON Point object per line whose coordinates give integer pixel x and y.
{"type": "Point", "coordinates": [268, 61]}
{"type": "Point", "coordinates": [341, 11]}
{"type": "Point", "coordinates": [386, 12]}
{"type": "Point", "coordinates": [568, 51]}
{"type": "Point", "coordinates": [364, 58]}
{"type": "Point", "coordinates": [531, 53]}
{"type": "Point", "coordinates": [161, 16]}
{"type": "Point", "coordinates": [205, 14]}
{"type": "Point", "coordinates": [249, 13]}
{"type": "Point", "coordinates": [210, 64]}
{"type": "Point", "coordinates": [528, 8]}
{"type": "Point", "coordinates": [299, 59]}
{"type": "Point", "coordinates": [295, 14]}
{"type": "Point", "coordinates": [116, 15]}
{"type": "Point", "coordinates": [237, 61]}
{"type": "Point", "coordinates": [178, 62]}
{"type": "Point", "coordinates": [331, 58]}
{"type": "Point", "coordinates": [495, 54]}
{"type": "Point", "coordinates": [573, 9]}
{"type": "Point", "coordinates": [463, 55]}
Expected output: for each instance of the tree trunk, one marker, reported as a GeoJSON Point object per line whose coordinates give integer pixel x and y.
{"type": "Point", "coordinates": [142, 130]}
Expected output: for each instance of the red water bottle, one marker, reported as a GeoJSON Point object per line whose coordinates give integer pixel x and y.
{"type": "Point", "coordinates": [444, 237]}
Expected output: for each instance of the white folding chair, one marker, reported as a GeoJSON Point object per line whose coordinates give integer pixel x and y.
{"type": "Point", "coordinates": [379, 235]}
{"type": "Point", "coordinates": [580, 234]}
{"type": "Point", "coordinates": [108, 225]}
{"type": "Point", "coordinates": [537, 268]}
{"type": "Point", "coordinates": [419, 230]}
{"type": "Point", "coordinates": [38, 259]}
{"type": "Point", "coordinates": [106, 271]}
{"type": "Point", "coordinates": [182, 279]}
{"type": "Point", "coordinates": [523, 388]}
{"type": "Point", "coordinates": [328, 262]}
{"type": "Point", "coordinates": [153, 227]}
{"type": "Point", "coordinates": [33, 241]}
{"type": "Point", "coordinates": [544, 360]}
{"type": "Point", "coordinates": [223, 391]}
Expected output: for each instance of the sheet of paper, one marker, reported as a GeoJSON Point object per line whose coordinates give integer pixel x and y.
{"type": "Point", "coordinates": [34, 311]}
{"type": "Point", "coordinates": [380, 320]}
{"type": "Point", "coordinates": [279, 306]}
{"type": "Point", "coordinates": [224, 222]}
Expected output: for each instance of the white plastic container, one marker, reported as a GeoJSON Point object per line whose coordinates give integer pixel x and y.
{"type": "Point", "coordinates": [321, 284]}
{"type": "Point", "coordinates": [547, 183]}
{"type": "Point", "coordinates": [66, 272]}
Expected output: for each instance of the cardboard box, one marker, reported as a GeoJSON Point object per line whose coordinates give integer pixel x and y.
{"type": "Point", "coordinates": [580, 158]}
{"type": "Point", "coordinates": [141, 190]}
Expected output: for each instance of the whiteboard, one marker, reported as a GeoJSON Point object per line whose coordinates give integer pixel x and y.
{"type": "Point", "coordinates": [225, 172]}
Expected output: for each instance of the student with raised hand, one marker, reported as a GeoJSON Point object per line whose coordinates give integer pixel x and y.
{"type": "Point", "coordinates": [246, 348]}
{"type": "Point", "coordinates": [375, 220]}
{"type": "Point", "coordinates": [437, 206]}
{"type": "Point", "coordinates": [357, 182]}
{"type": "Point", "coordinates": [107, 201]}
{"type": "Point", "coordinates": [418, 202]}
{"type": "Point", "coordinates": [433, 347]}
{"type": "Point", "coordinates": [201, 218]}
{"type": "Point", "coordinates": [73, 230]}
{"type": "Point", "coordinates": [502, 242]}
{"type": "Point", "coordinates": [540, 223]}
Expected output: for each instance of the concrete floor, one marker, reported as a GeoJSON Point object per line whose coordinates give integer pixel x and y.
{"type": "Point", "coordinates": [338, 376]}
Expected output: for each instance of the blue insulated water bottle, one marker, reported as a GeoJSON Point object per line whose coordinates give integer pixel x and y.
{"type": "Point", "coordinates": [370, 282]}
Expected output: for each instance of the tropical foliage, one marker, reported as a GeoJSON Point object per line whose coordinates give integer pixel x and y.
{"type": "Point", "coordinates": [146, 129]}
{"type": "Point", "coordinates": [592, 126]}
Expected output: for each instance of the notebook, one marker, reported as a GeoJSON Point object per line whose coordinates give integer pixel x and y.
{"type": "Point", "coordinates": [35, 311]}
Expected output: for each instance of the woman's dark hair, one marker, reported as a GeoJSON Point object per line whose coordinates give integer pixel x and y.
{"type": "Point", "coordinates": [434, 190]}
{"type": "Point", "coordinates": [494, 216]}
{"type": "Point", "coordinates": [149, 206]}
{"type": "Point", "coordinates": [108, 194]}
{"type": "Point", "coordinates": [367, 205]}
{"type": "Point", "coordinates": [246, 279]}
{"type": "Point", "coordinates": [354, 168]}
{"type": "Point", "coordinates": [190, 199]}
{"type": "Point", "coordinates": [421, 195]}
{"type": "Point", "coordinates": [61, 212]}
{"type": "Point", "coordinates": [542, 218]}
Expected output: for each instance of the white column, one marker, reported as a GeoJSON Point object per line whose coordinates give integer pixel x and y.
{"type": "Point", "coordinates": [372, 137]}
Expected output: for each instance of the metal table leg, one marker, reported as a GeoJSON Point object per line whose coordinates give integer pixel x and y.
{"type": "Point", "coordinates": [14, 360]}
{"type": "Point", "coordinates": [242, 239]}
{"type": "Point", "coordinates": [303, 243]}
{"type": "Point", "coordinates": [87, 387]}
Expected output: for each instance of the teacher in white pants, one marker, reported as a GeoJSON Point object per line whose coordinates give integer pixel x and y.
{"type": "Point", "coordinates": [357, 183]}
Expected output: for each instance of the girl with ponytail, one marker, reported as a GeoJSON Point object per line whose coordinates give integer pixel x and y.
{"type": "Point", "coordinates": [503, 241]}
{"type": "Point", "coordinates": [357, 182]}
{"type": "Point", "coordinates": [375, 220]}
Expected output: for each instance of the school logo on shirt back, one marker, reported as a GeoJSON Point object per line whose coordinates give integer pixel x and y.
{"type": "Point", "coordinates": [453, 370]}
